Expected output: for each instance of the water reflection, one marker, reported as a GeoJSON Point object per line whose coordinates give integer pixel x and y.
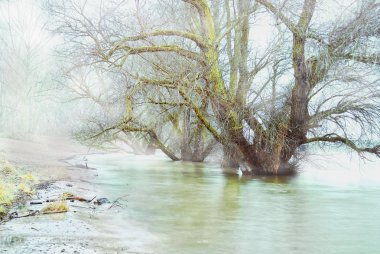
{"type": "Point", "coordinates": [196, 208]}
{"type": "Point", "coordinates": [276, 179]}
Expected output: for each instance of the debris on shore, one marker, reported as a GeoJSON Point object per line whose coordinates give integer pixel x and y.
{"type": "Point", "coordinates": [62, 204]}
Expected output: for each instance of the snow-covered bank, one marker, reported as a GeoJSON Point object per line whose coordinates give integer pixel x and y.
{"type": "Point", "coordinates": [59, 163]}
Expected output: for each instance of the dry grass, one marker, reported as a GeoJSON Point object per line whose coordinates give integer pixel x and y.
{"type": "Point", "coordinates": [56, 207]}
{"type": "Point", "coordinates": [13, 184]}
{"type": "Point", "coordinates": [7, 193]}
{"type": "Point", "coordinates": [7, 196]}
{"type": "Point", "coordinates": [3, 211]}
{"type": "Point", "coordinates": [7, 169]}
{"type": "Point", "coordinates": [26, 188]}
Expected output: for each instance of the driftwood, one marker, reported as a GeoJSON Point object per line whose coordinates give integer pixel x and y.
{"type": "Point", "coordinates": [92, 199]}
{"type": "Point", "coordinates": [69, 198]}
{"type": "Point", "coordinates": [52, 212]}
{"type": "Point", "coordinates": [15, 215]}
{"type": "Point", "coordinates": [36, 202]}
{"type": "Point", "coordinates": [78, 199]}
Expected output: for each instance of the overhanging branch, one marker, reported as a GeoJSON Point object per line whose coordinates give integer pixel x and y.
{"type": "Point", "coordinates": [269, 6]}
{"type": "Point", "coordinates": [334, 138]}
{"type": "Point", "coordinates": [154, 49]}
{"type": "Point", "coordinates": [153, 135]}
{"type": "Point", "coordinates": [373, 59]}
{"type": "Point", "coordinates": [198, 112]}
{"type": "Point", "coordinates": [191, 36]}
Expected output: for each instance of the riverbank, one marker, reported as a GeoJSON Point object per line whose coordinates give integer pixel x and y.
{"type": "Point", "coordinates": [59, 164]}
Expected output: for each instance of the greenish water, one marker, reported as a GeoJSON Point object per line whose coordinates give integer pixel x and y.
{"type": "Point", "coordinates": [195, 208]}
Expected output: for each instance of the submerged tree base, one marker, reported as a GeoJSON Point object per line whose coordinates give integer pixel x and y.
{"type": "Point", "coordinates": [284, 170]}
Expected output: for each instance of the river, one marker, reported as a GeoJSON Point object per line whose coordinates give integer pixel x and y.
{"type": "Point", "coordinates": [195, 208]}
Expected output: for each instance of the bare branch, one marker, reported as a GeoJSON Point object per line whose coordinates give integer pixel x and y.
{"type": "Point", "coordinates": [191, 36]}
{"type": "Point", "coordinates": [153, 49]}
{"type": "Point", "coordinates": [334, 138]}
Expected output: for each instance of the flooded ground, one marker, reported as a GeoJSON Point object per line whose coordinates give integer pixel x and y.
{"type": "Point", "coordinates": [195, 208]}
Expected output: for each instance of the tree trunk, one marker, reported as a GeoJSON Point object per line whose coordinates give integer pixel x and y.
{"type": "Point", "coordinates": [198, 144]}
{"type": "Point", "coordinates": [157, 142]}
{"type": "Point", "coordinates": [229, 158]}
{"type": "Point", "coordinates": [186, 153]}
{"type": "Point", "coordinates": [263, 162]}
{"type": "Point", "coordinates": [150, 149]}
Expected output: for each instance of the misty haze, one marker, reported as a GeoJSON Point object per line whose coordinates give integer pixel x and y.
{"type": "Point", "coordinates": [190, 126]}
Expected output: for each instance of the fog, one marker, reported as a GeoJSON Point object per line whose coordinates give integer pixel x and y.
{"type": "Point", "coordinates": [35, 97]}
{"type": "Point", "coordinates": [229, 126]}
{"type": "Point", "coordinates": [60, 76]}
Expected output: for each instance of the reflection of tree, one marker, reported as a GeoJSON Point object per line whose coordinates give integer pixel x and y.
{"type": "Point", "coordinates": [189, 202]}
{"type": "Point", "coordinates": [276, 179]}
{"type": "Point", "coordinates": [229, 203]}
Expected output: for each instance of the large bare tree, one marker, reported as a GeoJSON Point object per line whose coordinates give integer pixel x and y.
{"type": "Point", "coordinates": [157, 116]}
{"type": "Point", "coordinates": [312, 81]}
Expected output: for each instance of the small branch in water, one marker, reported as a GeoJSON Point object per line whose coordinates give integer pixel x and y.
{"type": "Point", "coordinates": [117, 203]}
{"type": "Point", "coordinates": [91, 200]}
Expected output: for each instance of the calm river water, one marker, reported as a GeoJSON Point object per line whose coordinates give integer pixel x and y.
{"type": "Point", "coordinates": [195, 208]}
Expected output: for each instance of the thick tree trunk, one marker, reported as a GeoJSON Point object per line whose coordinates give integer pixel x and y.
{"type": "Point", "coordinates": [186, 153]}
{"type": "Point", "coordinates": [230, 159]}
{"type": "Point", "coordinates": [280, 168]}
{"type": "Point", "coordinates": [198, 147]}
{"type": "Point", "coordinates": [274, 157]}
{"type": "Point", "coordinates": [264, 163]}
{"type": "Point", "coordinates": [264, 158]}
{"type": "Point", "coordinates": [157, 142]}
